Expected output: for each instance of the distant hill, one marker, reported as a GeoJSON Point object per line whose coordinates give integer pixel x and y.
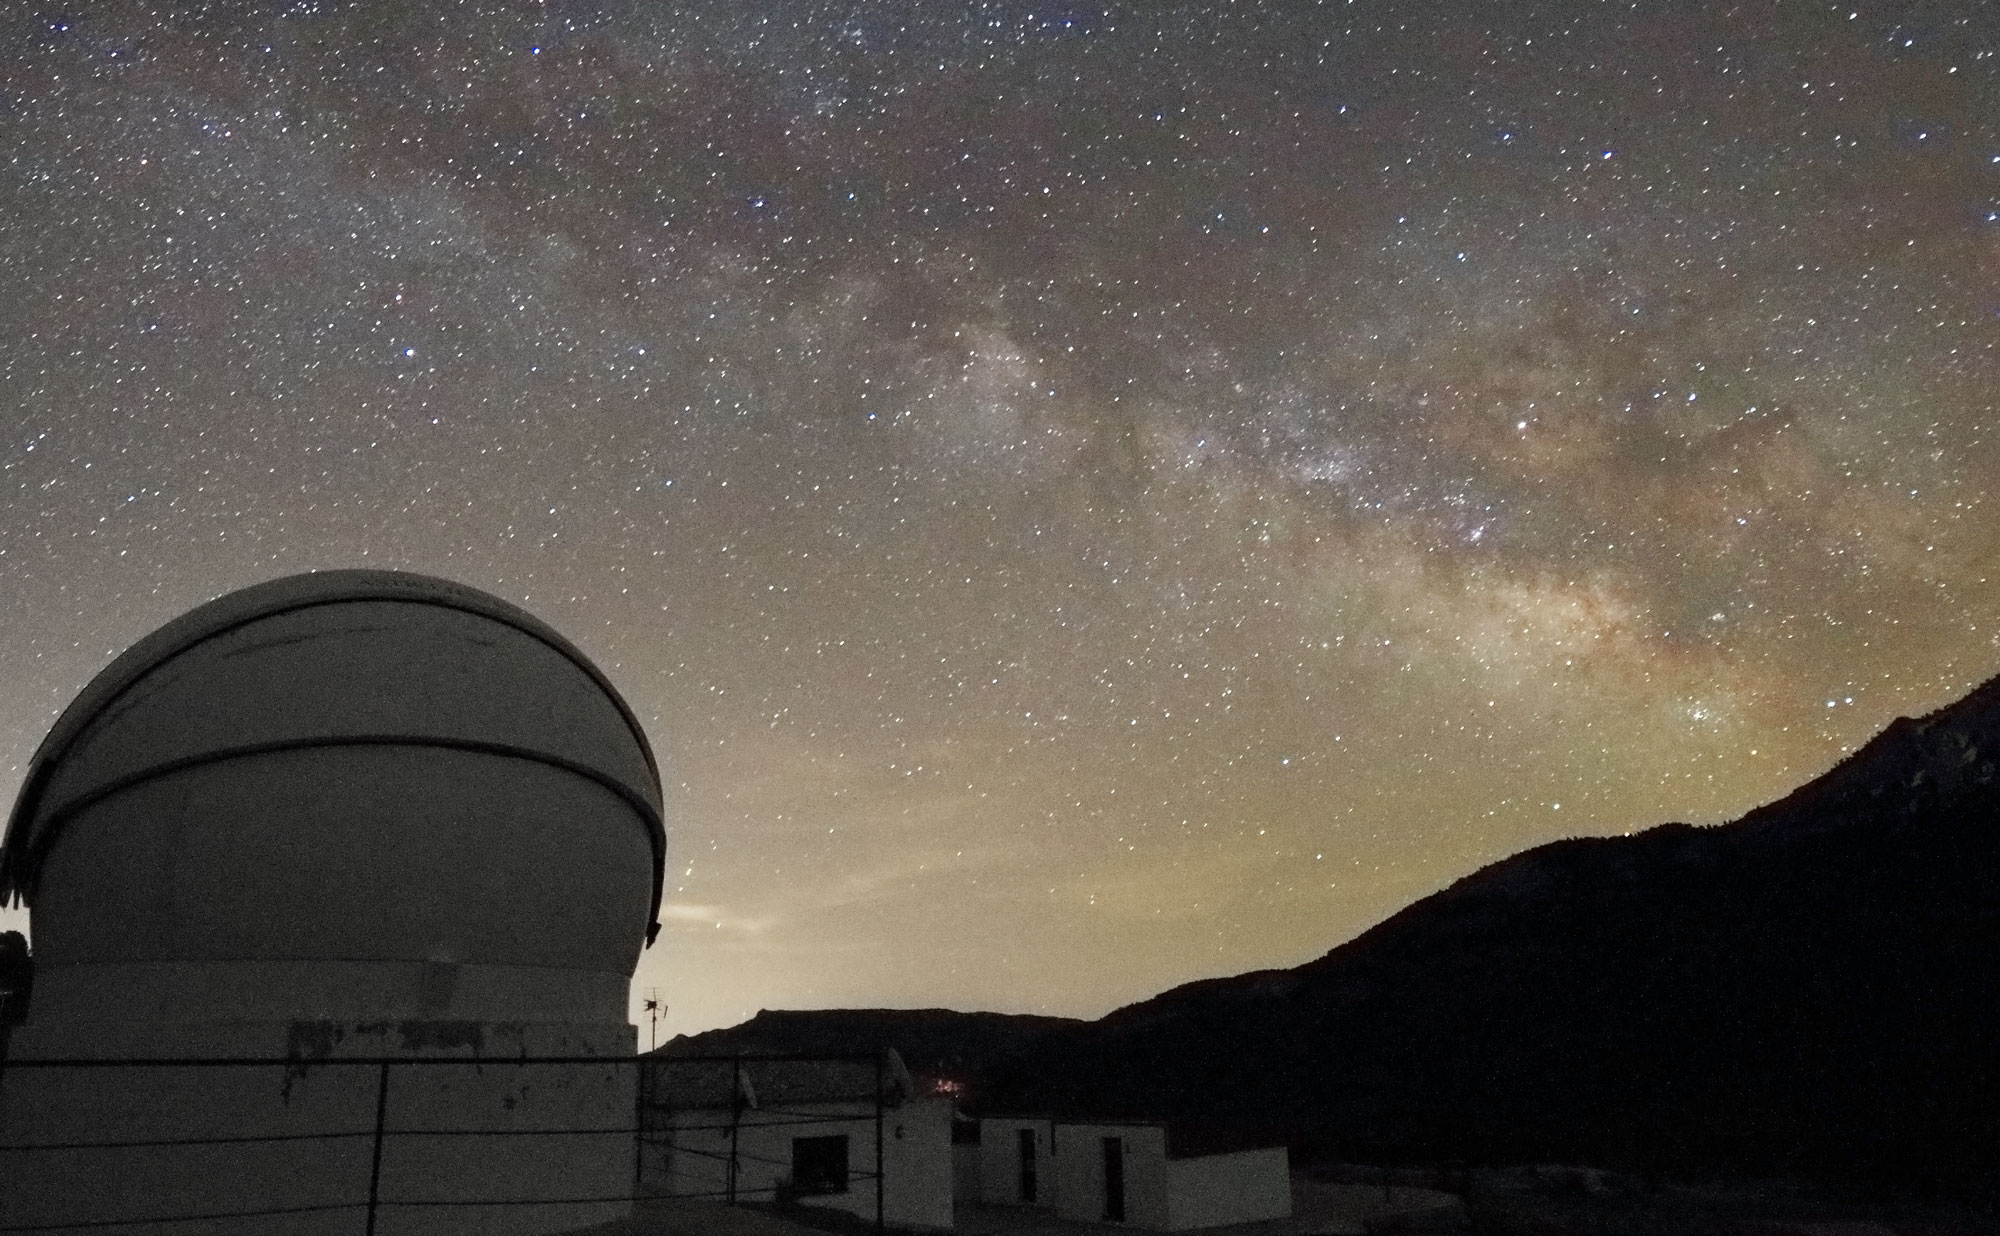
{"type": "Point", "coordinates": [937, 1043]}
{"type": "Point", "coordinates": [1814, 988]}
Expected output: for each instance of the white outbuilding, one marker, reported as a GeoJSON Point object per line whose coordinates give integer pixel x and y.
{"type": "Point", "coordinates": [1134, 1173]}
{"type": "Point", "coordinates": [840, 1134]}
{"type": "Point", "coordinates": [337, 815]}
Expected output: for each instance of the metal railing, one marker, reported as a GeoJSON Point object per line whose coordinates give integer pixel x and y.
{"type": "Point", "coordinates": [665, 1118]}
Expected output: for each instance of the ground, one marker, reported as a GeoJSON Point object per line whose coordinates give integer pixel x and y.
{"type": "Point", "coordinates": [1521, 1202]}
{"type": "Point", "coordinates": [1318, 1207]}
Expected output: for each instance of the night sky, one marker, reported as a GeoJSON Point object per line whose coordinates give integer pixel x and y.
{"type": "Point", "coordinates": [1083, 497]}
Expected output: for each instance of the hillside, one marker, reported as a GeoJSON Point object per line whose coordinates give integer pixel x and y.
{"type": "Point", "coordinates": [1813, 988]}
{"type": "Point", "coordinates": [933, 1042]}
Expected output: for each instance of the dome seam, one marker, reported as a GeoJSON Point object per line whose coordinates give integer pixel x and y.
{"type": "Point", "coordinates": [50, 823]}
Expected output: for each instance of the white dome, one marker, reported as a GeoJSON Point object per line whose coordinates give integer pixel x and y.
{"type": "Point", "coordinates": [339, 796]}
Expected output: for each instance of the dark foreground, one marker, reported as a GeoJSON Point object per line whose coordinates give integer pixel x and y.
{"type": "Point", "coordinates": [1355, 1201]}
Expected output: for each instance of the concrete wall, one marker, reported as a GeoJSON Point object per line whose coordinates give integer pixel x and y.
{"type": "Point", "coordinates": [1079, 1162]}
{"type": "Point", "coordinates": [919, 1164]}
{"type": "Point", "coordinates": [1246, 1186]}
{"type": "Point", "coordinates": [965, 1170]}
{"type": "Point", "coordinates": [326, 1178]}
{"type": "Point", "coordinates": [689, 1156]}
{"type": "Point", "coordinates": [1161, 1194]}
{"type": "Point", "coordinates": [1000, 1162]}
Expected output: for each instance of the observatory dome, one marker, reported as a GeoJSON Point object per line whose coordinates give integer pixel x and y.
{"type": "Point", "coordinates": [341, 797]}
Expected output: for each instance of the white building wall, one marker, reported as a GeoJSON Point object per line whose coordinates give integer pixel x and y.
{"type": "Point", "coordinates": [1000, 1162]}
{"type": "Point", "coordinates": [697, 1150]}
{"type": "Point", "coordinates": [1161, 1194]}
{"type": "Point", "coordinates": [691, 1158]}
{"type": "Point", "coordinates": [1079, 1159]}
{"type": "Point", "coordinates": [965, 1169]}
{"type": "Point", "coordinates": [687, 1154]}
{"type": "Point", "coordinates": [1247, 1186]}
{"type": "Point", "coordinates": [306, 1099]}
{"type": "Point", "coordinates": [917, 1161]}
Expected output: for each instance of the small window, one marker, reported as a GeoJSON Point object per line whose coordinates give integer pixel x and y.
{"type": "Point", "coordinates": [819, 1165]}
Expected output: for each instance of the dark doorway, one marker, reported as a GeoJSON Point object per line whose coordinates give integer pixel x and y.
{"type": "Point", "coordinates": [1027, 1141]}
{"type": "Point", "coordinates": [1114, 1179]}
{"type": "Point", "coordinates": [819, 1165]}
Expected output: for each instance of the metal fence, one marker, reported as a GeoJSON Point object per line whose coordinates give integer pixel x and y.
{"type": "Point", "coordinates": [381, 1144]}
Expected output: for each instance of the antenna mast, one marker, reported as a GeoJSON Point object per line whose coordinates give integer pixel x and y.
{"type": "Point", "coordinates": [653, 1011]}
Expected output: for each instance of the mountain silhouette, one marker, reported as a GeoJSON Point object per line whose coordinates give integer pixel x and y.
{"type": "Point", "coordinates": [1814, 988]}
{"type": "Point", "coordinates": [937, 1043]}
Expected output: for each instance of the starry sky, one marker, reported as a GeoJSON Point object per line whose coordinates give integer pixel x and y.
{"type": "Point", "coordinates": [1083, 496]}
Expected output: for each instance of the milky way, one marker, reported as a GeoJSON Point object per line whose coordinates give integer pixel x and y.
{"type": "Point", "coordinates": [1083, 497]}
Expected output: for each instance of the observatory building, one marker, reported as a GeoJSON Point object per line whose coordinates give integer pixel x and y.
{"type": "Point", "coordinates": [350, 814]}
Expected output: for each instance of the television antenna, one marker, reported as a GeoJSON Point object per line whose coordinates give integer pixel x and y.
{"type": "Point", "coordinates": [654, 1009]}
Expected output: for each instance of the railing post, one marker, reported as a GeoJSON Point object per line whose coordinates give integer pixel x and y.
{"type": "Point", "coordinates": [375, 1169]}
{"type": "Point", "coordinates": [638, 1129]}
{"type": "Point", "coordinates": [879, 1219]}
{"type": "Point", "coordinates": [735, 1118]}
